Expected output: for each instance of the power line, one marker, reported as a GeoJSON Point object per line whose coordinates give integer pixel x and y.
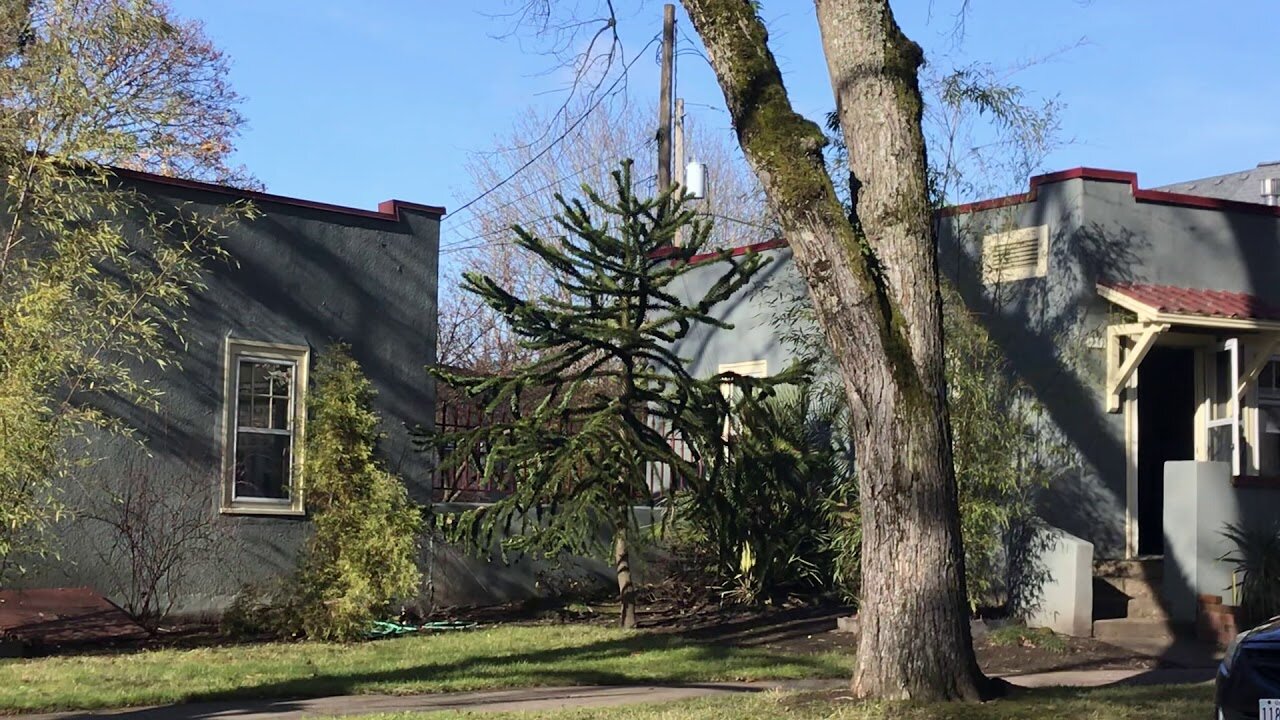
{"type": "Point", "coordinates": [554, 183]}
{"type": "Point", "coordinates": [459, 244]}
{"type": "Point", "coordinates": [739, 221]}
{"type": "Point", "coordinates": [572, 126]}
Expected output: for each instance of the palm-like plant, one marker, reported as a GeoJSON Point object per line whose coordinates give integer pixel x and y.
{"type": "Point", "coordinates": [1257, 557]}
{"type": "Point", "coordinates": [777, 509]}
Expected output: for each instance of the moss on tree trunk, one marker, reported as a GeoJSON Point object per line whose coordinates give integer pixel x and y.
{"type": "Point", "coordinates": [874, 284]}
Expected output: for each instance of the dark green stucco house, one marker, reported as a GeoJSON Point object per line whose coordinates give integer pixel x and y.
{"type": "Point", "coordinates": [220, 450]}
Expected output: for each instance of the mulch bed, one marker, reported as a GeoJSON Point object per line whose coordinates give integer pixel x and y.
{"type": "Point", "coordinates": [63, 617]}
{"type": "Point", "coordinates": [1079, 654]}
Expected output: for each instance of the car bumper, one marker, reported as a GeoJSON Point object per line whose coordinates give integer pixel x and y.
{"type": "Point", "coordinates": [1236, 694]}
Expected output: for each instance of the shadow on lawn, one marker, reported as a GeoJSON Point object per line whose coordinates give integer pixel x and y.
{"type": "Point", "coordinates": [567, 666]}
{"type": "Point", "coordinates": [754, 629]}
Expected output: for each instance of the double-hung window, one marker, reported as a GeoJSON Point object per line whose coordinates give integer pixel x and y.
{"type": "Point", "coordinates": [262, 450]}
{"type": "Point", "coordinates": [750, 368]}
{"type": "Point", "coordinates": [1224, 406]}
{"type": "Point", "coordinates": [1267, 432]}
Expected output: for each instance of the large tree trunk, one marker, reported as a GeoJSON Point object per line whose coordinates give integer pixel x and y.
{"type": "Point", "coordinates": [874, 285]}
{"type": "Point", "coordinates": [626, 590]}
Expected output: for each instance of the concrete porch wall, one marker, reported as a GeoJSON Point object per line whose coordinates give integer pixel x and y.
{"type": "Point", "coordinates": [1066, 598]}
{"type": "Point", "coordinates": [1199, 502]}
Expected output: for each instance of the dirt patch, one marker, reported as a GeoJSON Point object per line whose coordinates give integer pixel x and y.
{"type": "Point", "coordinates": [1073, 654]}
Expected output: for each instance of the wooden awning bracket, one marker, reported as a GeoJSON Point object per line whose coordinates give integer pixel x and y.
{"type": "Point", "coordinates": [1262, 353]}
{"type": "Point", "coordinates": [1122, 361]}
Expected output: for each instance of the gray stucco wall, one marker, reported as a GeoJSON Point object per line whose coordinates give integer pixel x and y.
{"type": "Point", "coordinates": [300, 275]}
{"type": "Point", "coordinates": [1199, 502]}
{"type": "Point", "coordinates": [1052, 328]}
{"type": "Point", "coordinates": [754, 312]}
{"type": "Point", "coordinates": [1186, 246]}
{"type": "Point", "coordinates": [1042, 324]}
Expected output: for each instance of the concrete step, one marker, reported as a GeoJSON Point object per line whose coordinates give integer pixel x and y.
{"type": "Point", "coordinates": [1121, 597]}
{"type": "Point", "coordinates": [1134, 588]}
{"type": "Point", "coordinates": [1151, 630]}
{"type": "Point", "coordinates": [1149, 569]}
{"type": "Point", "coordinates": [1148, 607]}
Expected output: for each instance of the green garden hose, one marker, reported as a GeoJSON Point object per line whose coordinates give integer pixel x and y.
{"type": "Point", "coordinates": [385, 628]}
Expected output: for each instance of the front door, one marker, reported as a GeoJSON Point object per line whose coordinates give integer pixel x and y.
{"type": "Point", "coordinates": [1166, 432]}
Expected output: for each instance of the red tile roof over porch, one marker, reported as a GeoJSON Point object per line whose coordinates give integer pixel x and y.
{"type": "Point", "coordinates": [1192, 301]}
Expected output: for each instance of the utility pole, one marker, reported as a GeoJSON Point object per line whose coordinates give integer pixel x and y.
{"type": "Point", "coordinates": [679, 161]}
{"type": "Point", "coordinates": [664, 96]}
{"type": "Point", "coordinates": [678, 142]}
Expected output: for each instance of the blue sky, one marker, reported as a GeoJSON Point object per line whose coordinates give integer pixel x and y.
{"type": "Point", "coordinates": [356, 102]}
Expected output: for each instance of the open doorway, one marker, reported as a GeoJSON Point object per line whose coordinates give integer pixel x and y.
{"type": "Point", "coordinates": [1166, 432]}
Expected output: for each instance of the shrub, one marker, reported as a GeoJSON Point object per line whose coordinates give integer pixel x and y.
{"type": "Point", "coordinates": [260, 611]}
{"type": "Point", "coordinates": [774, 514]}
{"type": "Point", "coordinates": [363, 555]}
{"type": "Point", "coordinates": [156, 530]}
{"type": "Point", "coordinates": [999, 452]}
{"type": "Point", "coordinates": [1257, 557]}
{"type": "Point", "coordinates": [1002, 453]}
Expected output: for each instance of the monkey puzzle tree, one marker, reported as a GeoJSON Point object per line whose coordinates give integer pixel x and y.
{"type": "Point", "coordinates": [605, 394]}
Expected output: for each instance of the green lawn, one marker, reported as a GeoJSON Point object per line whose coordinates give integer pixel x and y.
{"type": "Point", "coordinates": [1117, 703]}
{"type": "Point", "coordinates": [516, 656]}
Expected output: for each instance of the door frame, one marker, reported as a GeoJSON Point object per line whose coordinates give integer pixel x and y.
{"type": "Point", "coordinates": [1199, 344]}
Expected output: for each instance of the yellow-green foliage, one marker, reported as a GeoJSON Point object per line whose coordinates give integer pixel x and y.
{"type": "Point", "coordinates": [94, 278]}
{"type": "Point", "coordinates": [1002, 457]}
{"type": "Point", "coordinates": [363, 555]}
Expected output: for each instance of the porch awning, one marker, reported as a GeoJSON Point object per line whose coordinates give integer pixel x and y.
{"type": "Point", "coordinates": [1193, 306]}
{"type": "Point", "coordinates": [1160, 307]}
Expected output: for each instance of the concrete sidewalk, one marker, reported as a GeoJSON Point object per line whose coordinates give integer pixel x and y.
{"type": "Point", "coordinates": [562, 698]}
{"type": "Point", "coordinates": [522, 699]}
{"type": "Point", "coordinates": [1099, 678]}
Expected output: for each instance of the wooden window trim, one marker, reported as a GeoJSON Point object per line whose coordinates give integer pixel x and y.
{"type": "Point", "coordinates": [300, 357]}
{"type": "Point", "coordinates": [748, 368]}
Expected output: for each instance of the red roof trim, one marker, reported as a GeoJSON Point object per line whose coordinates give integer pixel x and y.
{"type": "Point", "coordinates": [1160, 197]}
{"type": "Point", "coordinates": [732, 252]}
{"type": "Point", "coordinates": [387, 210]}
{"type": "Point", "coordinates": [1080, 173]}
{"type": "Point", "coordinates": [742, 250]}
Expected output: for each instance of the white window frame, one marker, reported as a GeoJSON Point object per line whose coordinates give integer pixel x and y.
{"type": "Point", "coordinates": [1232, 417]}
{"type": "Point", "coordinates": [746, 368]}
{"type": "Point", "coordinates": [297, 356]}
{"type": "Point", "coordinates": [1255, 426]}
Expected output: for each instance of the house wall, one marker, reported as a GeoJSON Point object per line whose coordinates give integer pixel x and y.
{"type": "Point", "coordinates": [300, 275]}
{"type": "Point", "coordinates": [1192, 247]}
{"type": "Point", "coordinates": [1031, 320]}
{"type": "Point", "coordinates": [755, 313]}
{"type": "Point", "coordinates": [1146, 237]}
{"type": "Point", "coordinates": [1200, 501]}
{"type": "Point", "coordinates": [1052, 328]}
